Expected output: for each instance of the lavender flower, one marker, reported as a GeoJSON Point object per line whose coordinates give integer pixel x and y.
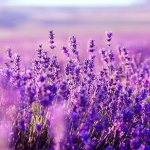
{"type": "Point", "coordinates": [76, 107]}
{"type": "Point", "coordinates": [73, 45]}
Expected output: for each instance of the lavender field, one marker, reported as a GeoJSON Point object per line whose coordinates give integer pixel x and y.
{"type": "Point", "coordinates": [75, 78]}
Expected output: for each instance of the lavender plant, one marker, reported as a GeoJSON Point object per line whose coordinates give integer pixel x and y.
{"type": "Point", "coordinates": [78, 108]}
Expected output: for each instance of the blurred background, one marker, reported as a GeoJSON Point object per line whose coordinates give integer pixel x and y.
{"type": "Point", "coordinates": [25, 24]}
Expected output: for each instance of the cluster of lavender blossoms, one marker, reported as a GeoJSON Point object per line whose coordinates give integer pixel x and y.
{"type": "Point", "coordinates": [76, 107]}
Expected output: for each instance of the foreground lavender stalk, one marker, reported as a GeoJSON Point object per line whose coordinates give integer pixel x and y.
{"type": "Point", "coordinates": [76, 108]}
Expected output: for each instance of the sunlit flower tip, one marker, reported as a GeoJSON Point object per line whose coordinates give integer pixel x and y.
{"type": "Point", "coordinates": [40, 45]}
{"type": "Point", "coordinates": [72, 40]}
{"type": "Point", "coordinates": [109, 34]}
{"type": "Point", "coordinates": [51, 34]}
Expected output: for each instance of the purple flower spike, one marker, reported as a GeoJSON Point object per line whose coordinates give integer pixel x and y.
{"type": "Point", "coordinates": [91, 46]}
{"type": "Point", "coordinates": [65, 50]}
{"type": "Point", "coordinates": [51, 38]}
{"type": "Point", "coordinates": [73, 45]}
{"type": "Point", "coordinates": [109, 37]}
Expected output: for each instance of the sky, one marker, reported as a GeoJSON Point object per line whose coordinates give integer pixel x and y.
{"type": "Point", "coordinates": [70, 2]}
